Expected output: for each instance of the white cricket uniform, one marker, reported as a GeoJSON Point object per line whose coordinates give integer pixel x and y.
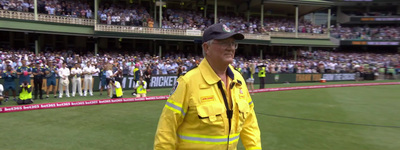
{"type": "Point", "coordinates": [76, 80]}
{"type": "Point", "coordinates": [64, 81]}
{"type": "Point", "coordinates": [88, 81]}
{"type": "Point", "coordinates": [1, 90]}
{"type": "Point", "coordinates": [109, 73]}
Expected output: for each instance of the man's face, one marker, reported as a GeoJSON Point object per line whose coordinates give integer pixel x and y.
{"type": "Point", "coordinates": [221, 50]}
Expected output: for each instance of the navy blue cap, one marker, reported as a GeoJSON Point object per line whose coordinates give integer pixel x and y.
{"type": "Point", "coordinates": [220, 31]}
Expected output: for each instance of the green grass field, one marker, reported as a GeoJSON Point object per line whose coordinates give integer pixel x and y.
{"type": "Point", "coordinates": [349, 118]}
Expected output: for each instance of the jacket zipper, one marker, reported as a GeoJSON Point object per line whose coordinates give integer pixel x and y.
{"type": "Point", "coordinates": [229, 112]}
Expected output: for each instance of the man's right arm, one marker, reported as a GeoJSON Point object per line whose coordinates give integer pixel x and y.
{"type": "Point", "coordinates": [171, 117]}
{"type": "Point", "coordinates": [60, 73]}
{"type": "Point", "coordinates": [29, 89]}
{"type": "Point", "coordinates": [20, 90]}
{"type": "Point", "coordinates": [19, 71]}
{"type": "Point", "coordinates": [35, 73]}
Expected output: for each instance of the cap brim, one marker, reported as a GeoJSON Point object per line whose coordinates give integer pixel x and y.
{"type": "Point", "coordinates": [236, 36]}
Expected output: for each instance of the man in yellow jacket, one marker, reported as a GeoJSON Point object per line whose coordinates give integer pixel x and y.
{"type": "Point", "coordinates": [210, 106]}
{"type": "Point", "coordinates": [141, 87]}
{"type": "Point", "coordinates": [114, 84]}
{"type": "Point", "coordinates": [25, 94]}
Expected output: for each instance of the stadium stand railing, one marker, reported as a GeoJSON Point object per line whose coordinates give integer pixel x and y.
{"type": "Point", "coordinates": [17, 15]}
{"type": "Point", "coordinates": [300, 35]}
{"type": "Point", "coordinates": [67, 20]}
{"type": "Point", "coordinates": [133, 29]}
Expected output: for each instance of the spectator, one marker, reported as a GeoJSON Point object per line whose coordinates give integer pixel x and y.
{"type": "Point", "coordinates": [51, 72]}
{"type": "Point", "coordinates": [117, 88]}
{"type": "Point", "coordinates": [141, 87]}
{"type": "Point", "coordinates": [38, 73]}
{"type": "Point", "coordinates": [9, 75]}
{"type": "Point", "coordinates": [147, 75]}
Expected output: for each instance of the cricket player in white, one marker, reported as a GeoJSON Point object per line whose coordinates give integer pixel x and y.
{"type": "Point", "coordinates": [88, 71]}
{"type": "Point", "coordinates": [76, 72]}
{"type": "Point", "coordinates": [64, 81]}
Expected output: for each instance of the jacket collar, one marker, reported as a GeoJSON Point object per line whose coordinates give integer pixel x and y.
{"type": "Point", "coordinates": [210, 76]}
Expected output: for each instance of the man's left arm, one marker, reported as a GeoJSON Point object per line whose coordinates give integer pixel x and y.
{"type": "Point", "coordinates": [144, 85]}
{"type": "Point", "coordinates": [34, 72]}
{"type": "Point", "coordinates": [42, 70]}
{"type": "Point", "coordinates": [29, 89]}
{"type": "Point", "coordinates": [117, 85]}
{"type": "Point", "coordinates": [250, 133]}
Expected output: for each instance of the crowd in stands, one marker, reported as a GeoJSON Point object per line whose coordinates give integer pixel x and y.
{"type": "Point", "coordinates": [122, 14]}
{"type": "Point", "coordinates": [367, 33]}
{"type": "Point", "coordinates": [174, 64]}
{"type": "Point", "coordinates": [325, 62]}
{"type": "Point", "coordinates": [137, 15]}
{"type": "Point", "coordinates": [180, 19]}
{"type": "Point", "coordinates": [371, 13]}
{"type": "Point", "coordinates": [17, 5]}
{"type": "Point", "coordinates": [112, 67]}
{"type": "Point", "coordinates": [68, 8]}
{"type": "Point", "coordinates": [188, 19]}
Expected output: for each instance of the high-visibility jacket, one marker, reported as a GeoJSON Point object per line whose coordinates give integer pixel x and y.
{"type": "Point", "coordinates": [261, 73]}
{"type": "Point", "coordinates": [141, 89]}
{"type": "Point", "coordinates": [118, 89]}
{"type": "Point", "coordinates": [195, 115]}
{"type": "Point", "coordinates": [24, 95]}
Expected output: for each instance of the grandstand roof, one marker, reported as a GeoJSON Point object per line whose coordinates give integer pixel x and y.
{"type": "Point", "coordinates": [288, 6]}
{"type": "Point", "coordinates": [301, 2]}
{"type": "Point", "coordinates": [302, 42]}
{"type": "Point", "coordinates": [275, 7]}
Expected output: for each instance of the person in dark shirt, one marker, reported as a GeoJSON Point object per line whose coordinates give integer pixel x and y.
{"type": "Point", "coordinates": [38, 73]}
{"type": "Point", "coordinates": [147, 76]}
{"type": "Point", "coordinates": [103, 78]}
{"type": "Point", "coordinates": [9, 76]}
{"type": "Point", "coordinates": [24, 73]}
{"type": "Point", "coordinates": [51, 72]}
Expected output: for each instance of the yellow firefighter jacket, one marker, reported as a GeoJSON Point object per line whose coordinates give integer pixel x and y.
{"type": "Point", "coordinates": [195, 115]}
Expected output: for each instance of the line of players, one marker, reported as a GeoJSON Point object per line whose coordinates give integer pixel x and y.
{"type": "Point", "coordinates": [108, 79]}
